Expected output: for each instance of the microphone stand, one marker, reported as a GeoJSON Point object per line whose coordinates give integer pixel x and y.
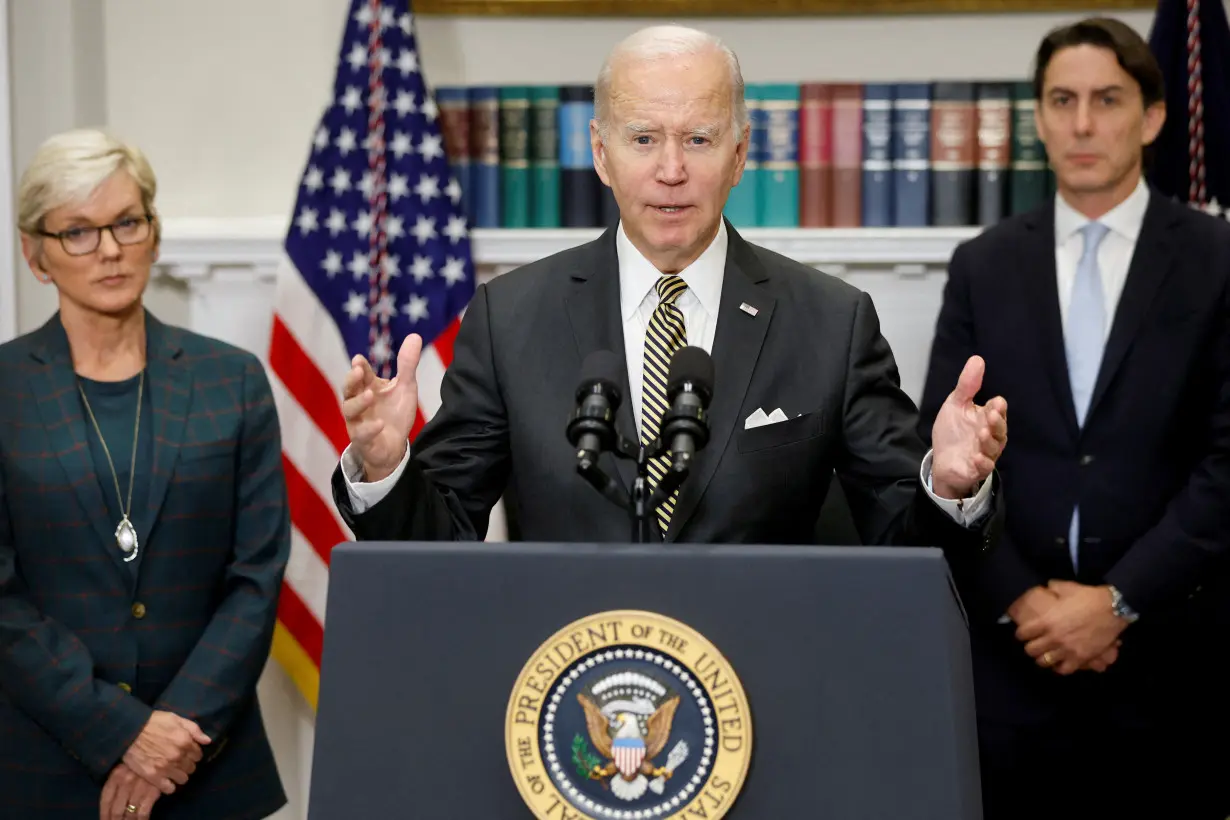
{"type": "Point", "coordinates": [641, 503]}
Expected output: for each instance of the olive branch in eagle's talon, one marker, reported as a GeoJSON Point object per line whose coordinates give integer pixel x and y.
{"type": "Point", "coordinates": [587, 763]}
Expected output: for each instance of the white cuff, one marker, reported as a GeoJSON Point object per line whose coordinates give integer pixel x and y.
{"type": "Point", "coordinates": [967, 512]}
{"type": "Point", "coordinates": [365, 494]}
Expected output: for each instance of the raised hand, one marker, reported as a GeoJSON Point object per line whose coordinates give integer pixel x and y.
{"type": "Point", "coordinates": [967, 439]}
{"type": "Point", "coordinates": [380, 412]}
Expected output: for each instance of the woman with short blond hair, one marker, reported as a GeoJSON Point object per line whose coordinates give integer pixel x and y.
{"type": "Point", "coordinates": [144, 528]}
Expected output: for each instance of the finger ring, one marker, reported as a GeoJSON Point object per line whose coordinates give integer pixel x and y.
{"type": "Point", "coordinates": [1048, 659]}
{"type": "Point", "coordinates": [131, 809]}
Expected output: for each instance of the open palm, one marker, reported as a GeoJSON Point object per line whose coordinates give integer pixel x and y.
{"type": "Point", "coordinates": [967, 439]}
{"type": "Point", "coordinates": [379, 412]}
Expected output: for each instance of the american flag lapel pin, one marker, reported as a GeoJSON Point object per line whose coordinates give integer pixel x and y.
{"type": "Point", "coordinates": [748, 309]}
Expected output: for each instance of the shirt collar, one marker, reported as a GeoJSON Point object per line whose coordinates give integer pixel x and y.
{"type": "Point", "coordinates": [1125, 219]}
{"type": "Point", "coordinates": [638, 276]}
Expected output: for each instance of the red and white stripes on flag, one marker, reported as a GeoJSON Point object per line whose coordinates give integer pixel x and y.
{"type": "Point", "coordinates": [308, 364]}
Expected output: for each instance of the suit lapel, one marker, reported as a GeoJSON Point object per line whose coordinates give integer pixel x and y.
{"type": "Point", "coordinates": [736, 348]}
{"type": "Point", "coordinates": [64, 420]}
{"type": "Point", "coordinates": [170, 384]}
{"type": "Point", "coordinates": [1040, 290]}
{"type": "Point", "coordinates": [1151, 263]}
{"type": "Point", "coordinates": [597, 324]}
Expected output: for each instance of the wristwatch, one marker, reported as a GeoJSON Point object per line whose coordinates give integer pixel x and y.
{"type": "Point", "coordinates": [1119, 607]}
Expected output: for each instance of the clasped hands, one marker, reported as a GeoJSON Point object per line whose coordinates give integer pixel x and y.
{"type": "Point", "coordinates": [1067, 626]}
{"type": "Point", "coordinates": [162, 757]}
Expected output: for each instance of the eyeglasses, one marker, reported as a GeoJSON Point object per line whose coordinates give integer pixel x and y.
{"type": "Point", "coordinates": [82, 240]}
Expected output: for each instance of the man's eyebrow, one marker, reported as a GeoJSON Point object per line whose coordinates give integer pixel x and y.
{"type": "Point", "coordinates": [700, 130]}
{"type": "Point", "coordinates": [1109, 89]}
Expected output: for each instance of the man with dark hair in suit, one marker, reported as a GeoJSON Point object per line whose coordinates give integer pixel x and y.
{"type": "Point", "coordinates": [1098, 626]}
{"type": "Point", "coordinates": [789, 345]}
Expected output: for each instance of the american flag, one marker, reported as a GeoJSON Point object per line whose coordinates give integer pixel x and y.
{"type": "Point", "coordinates": [378, 248]}
{"type": "Point", "coordinates": [1191, 41]}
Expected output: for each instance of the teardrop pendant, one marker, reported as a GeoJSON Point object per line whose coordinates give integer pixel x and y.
{"type": "Point", "coordinates": [126, 538]}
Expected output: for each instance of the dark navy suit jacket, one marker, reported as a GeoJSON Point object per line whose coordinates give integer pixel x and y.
{"type": "Point", "coordinates": [88, 648]}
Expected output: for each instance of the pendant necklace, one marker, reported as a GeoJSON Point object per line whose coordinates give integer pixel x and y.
{"type": "Point", "coordinates": [125, 533]}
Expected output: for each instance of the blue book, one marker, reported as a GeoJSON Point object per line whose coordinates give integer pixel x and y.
{"type": "Point", "coordinates": [877, 155]}
{"type": "Point", "coordinates": [580, 187]}
{"type": "Point", "coordinates": [912, 155]}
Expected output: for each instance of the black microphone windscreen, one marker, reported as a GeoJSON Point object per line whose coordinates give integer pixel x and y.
{"type": "Point", "coordinates": [691, 364]}
{"type": "Point", "coordinates": [601, 366]}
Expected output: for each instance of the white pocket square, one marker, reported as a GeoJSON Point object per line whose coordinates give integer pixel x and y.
{"type": "Point", "coordinates": [760, 419]}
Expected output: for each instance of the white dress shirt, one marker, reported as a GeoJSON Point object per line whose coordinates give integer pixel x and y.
{"type": "Point", "coordinates": [1114, 253]}
{"type": "Point", "coordinates": [638, 299]}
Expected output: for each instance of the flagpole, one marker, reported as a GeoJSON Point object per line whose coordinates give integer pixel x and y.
{"type": "Point", "coordinates": [1197, 192]}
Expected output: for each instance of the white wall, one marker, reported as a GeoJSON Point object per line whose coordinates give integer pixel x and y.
{"type": "Point", "coordinates": [224, 95]}
{"type": "Point", "coordinates": [58, 64]}
{"type": "Point", "coordinates": [56, 83]}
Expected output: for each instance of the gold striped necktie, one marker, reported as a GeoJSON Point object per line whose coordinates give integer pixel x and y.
{"type": "Point", "coordinates": [666, 335]}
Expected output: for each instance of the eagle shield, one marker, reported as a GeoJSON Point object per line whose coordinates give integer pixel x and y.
{"type": "Point", "coordinates": [629, 752]}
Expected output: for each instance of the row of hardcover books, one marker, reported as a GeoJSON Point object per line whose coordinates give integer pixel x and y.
{"type": "Point", "coordinates": [821, 155]}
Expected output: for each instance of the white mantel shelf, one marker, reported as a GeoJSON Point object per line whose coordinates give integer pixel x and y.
{"type": "Point", "coordinates": [229, 268]}
{"type": "Point", "coordinates": [193, 247]}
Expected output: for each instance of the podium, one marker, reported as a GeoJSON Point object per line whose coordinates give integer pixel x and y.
{"type": "Point", "coordinates": [853, 666]}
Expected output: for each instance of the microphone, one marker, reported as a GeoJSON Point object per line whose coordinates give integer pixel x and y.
{"type": "Point", "coordinates": [689, 388]}
{"type": "Point", "coordinates": [592, 427]}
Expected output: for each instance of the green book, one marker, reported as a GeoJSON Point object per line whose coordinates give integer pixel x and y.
{"type": "Point", "coordinates": [515, 156]}
{"type": "Point", "coordinates": [741, 204]}
{"type": "Point", "coordinates": [778, 200]}
{"type": "Point", "coordinates": [544, 176]}
{"type": "Point", "coordinates": [1027, 175]}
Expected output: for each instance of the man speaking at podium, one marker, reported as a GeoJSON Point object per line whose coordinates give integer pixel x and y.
{"type": "Point", "coordinates": [790, 346]}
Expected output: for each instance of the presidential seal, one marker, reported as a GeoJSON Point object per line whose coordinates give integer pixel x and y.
{"type": "Point", "coordinates": [628, 715]}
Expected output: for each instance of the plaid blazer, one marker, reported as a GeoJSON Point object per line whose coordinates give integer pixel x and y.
{"type": "Point", "coordinates": [87, 647]}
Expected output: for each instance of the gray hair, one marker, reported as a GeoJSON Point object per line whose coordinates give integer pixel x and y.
{"type": "Point", "coordinates": [68, 167]}
{"type": "Point", "coordinates": [656, 42]}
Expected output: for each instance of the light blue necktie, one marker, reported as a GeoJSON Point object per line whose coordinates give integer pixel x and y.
{"type": "Point", "coordinates": [1084, 339]}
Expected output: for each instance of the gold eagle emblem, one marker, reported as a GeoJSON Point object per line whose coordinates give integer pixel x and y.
{"type": "Point", "coordinates": [630, 749]}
